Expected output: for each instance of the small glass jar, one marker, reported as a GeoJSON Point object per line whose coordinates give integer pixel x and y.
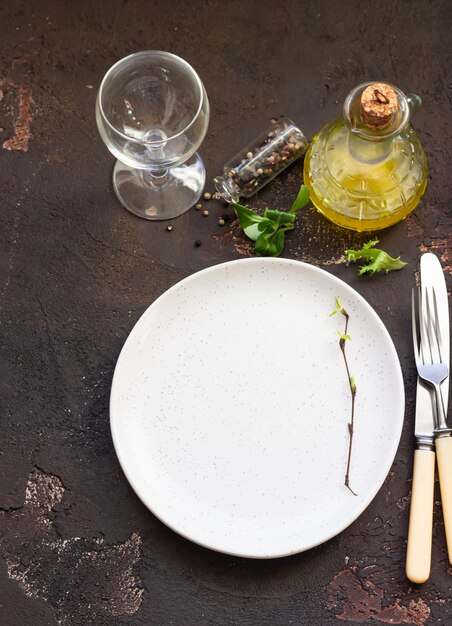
{"type": "Point", "coordinates": [261, 160]}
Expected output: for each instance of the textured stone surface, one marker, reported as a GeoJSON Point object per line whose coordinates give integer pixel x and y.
{"type": "Point", "coordinates": [76, 272]}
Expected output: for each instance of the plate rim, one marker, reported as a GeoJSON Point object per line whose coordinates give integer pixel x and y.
{"type": "Point", "coordinates": [398, 427]}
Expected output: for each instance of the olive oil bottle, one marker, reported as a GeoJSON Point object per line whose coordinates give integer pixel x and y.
{"type": "Point", "coordinates": [367, 170]}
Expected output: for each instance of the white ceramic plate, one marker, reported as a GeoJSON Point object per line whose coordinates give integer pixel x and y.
{"type": "Point", "coordinates": [230, 404]}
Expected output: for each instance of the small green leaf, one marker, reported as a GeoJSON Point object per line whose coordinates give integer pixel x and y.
{"type": "Point", "coordinates": [270, 244]}
{"type": "Point", "coordinates": [279, 217]}
{"type": "Point", "coordinates": [246, 216]}
{"type": "Point", "coordinates": [379, 260]}
{"type": "Point", "coordinates": [338, 309]}
{"type": "Point", "coordinates": [255, 230]}
{"type": "Point", "coordinates": [301, 200]}
{"type": "Point", "coordinates": [268, 230]}
{"type": "Point", "coordinates": [342, 336]}
{"type": "Point", "coordinates": [252, 231]}
{"type": "Point", "coordinates": [368, 251]}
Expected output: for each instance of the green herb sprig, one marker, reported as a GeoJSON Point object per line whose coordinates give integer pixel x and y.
{"type": "Point", "coordinates": [268, 230]}
{"type": "Point", "coordinates": [379, 260]}
{"type": "Point", "coordinates": [344, 337]}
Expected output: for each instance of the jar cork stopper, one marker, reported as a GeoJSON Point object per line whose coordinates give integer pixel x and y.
{"type": "Point", "coordinates": [378, 105]}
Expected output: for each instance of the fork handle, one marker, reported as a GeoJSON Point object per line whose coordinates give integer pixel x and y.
{"type": "Point", "coordinates": [444, 456]}
{"type": "Point", "coordinates": [440, 412]}
{"type": "Point", "coordinates": [419, 548]}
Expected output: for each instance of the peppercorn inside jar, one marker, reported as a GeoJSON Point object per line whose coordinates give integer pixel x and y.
{"type": "Point", "coordinates": [263, 159]}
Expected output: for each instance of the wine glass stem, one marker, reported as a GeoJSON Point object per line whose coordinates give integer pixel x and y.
{"type": "Point", "coordinates": [155, 178]}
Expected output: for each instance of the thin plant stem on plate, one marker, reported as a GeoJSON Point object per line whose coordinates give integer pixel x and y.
{"type": "Point", "coordinates": [344, 337]}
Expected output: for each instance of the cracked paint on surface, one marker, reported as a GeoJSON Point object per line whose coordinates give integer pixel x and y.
{"type": "Point", "coordinates": [443, 247]}
{"type": "Point", "coordinates": [357, 600]}
{"type": "Point", "coordinates": [22, 124]}
{"type": "Point", "coordinates": [42, 493]}
{"type": "Point", "coordinates": [429, 242]}
{"type": "Point", "coordinates": [38, 560]}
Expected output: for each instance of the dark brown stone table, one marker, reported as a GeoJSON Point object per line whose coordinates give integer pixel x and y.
{"type": "Point", "coordinates": [77, 271]}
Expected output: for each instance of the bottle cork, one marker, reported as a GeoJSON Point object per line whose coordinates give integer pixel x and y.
{"type": "Point", "coordinates": [378, 105]}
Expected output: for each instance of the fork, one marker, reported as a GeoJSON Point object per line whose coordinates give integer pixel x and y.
{"type": "Point", "coordinates": [433, 370]}
{"type": "Point", "coordinates": [427, 353]}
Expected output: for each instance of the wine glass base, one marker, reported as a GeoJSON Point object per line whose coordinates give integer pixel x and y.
{"type": "Point", "coordinates": [160, 197]}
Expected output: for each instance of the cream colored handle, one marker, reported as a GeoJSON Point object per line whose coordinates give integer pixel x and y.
{"type": "Point", "coordinates": [419, 549]}
{"type": "Point", "coordinates": [444, 456]}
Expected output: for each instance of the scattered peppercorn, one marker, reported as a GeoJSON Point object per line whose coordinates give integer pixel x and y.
{"type": "Point", "coordinates": [169, 227]}
{"type": "Point", "coordinates": [198, 243]}
{"type": "Point", "coordinates": [205, 212]}
{"type": "Point", "coordinates": [221, 222]}
{"type": "Point", "coordinates": [198, 207]}
{"type": "Point", "coordinates": [207, 196]}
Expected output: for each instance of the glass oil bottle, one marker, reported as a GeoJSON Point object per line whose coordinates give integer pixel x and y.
{"type": "Point", "coordinates": [367, 170]}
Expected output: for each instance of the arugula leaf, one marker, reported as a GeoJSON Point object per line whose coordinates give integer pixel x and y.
{"type": "Point", "coordinates": [379, 260]}
{"type": "Point", "coordinates": [268, 230]}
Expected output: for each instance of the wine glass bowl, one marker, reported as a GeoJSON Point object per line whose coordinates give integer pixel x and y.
{"type": "Point", "coordinates": [152, 112]}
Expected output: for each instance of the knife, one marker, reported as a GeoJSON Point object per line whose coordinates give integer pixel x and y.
{"type": "Point", "coordinates": [419, 548]}
{"type": "Point", "coordinates": [432, 274]}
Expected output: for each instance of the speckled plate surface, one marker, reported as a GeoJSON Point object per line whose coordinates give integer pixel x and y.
{"type": "Point", "coordinates": [230, 403]}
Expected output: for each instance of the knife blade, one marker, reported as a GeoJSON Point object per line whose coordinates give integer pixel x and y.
{"type": "Point", "coordinates": [419, 548]}
{"type": "Point", "coordinates": [432, 276]}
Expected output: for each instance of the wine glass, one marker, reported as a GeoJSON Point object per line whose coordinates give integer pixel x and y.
{"type": "Point", "coordinates": [152, 112]}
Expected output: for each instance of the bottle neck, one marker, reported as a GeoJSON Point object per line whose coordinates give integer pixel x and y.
{"type": "Point", "coordinates": [227, 189]}
{"type": "Point", "coordinates": [368, 151]}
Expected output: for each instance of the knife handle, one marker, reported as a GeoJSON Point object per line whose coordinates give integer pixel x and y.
{"type": "Point", "coordinates": [444, 456]}
{"type": "Point", "coordinates": [419, 549]}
